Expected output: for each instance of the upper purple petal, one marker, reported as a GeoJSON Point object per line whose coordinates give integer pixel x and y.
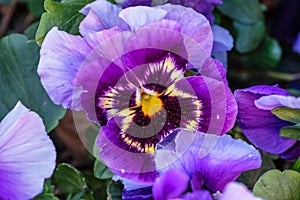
{"type": "Point", "coordinates": [261, 127]}
{"type": "Point", "coordinates": [237, 191]}
{"type": "Point", "coordinates": [62, 55]}
{"type": "Point", "coordinates": [213, 161]}
{"type": "Point", "coordinates": [128, 3]}
{"type": "Point", "coordinates": [27, 155]}
{"type": "Point", "coordinates": [170, 185]}
{"type": "Point", "coordinates": [204, 7]}
{"type": "Point", "coordinates": [198, 195]}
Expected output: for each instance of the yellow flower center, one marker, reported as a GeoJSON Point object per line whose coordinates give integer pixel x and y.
{"type": "Point", "coordinates": [151, 104]}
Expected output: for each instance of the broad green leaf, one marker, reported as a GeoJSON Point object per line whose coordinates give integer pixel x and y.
{"type": "Point", "coordinates": [287, 114]}
{"type": "Point", "coordinates": [20, 82]}
{"type": "Point", "coordinates": [65, 15]}
{"type": "Point", "coordinates": [101, 171]}
{"type": "Point", "coordinates": [248, 36]}
{"type": "Point", "coordinates": [68, 179]}
{"type": "Point", "coordinates": [246, 12]}
{"type": "Point", "coordinates": [114, 190]}
{"type": "Point", "coordinates": [47, 196]}
{"type": "Point", "coordinates": [292, 132]}
{"type": "Point", "coordinates": [276, 185]}
{"type": "Point", "coordinates": [84, 195]}
{"type": "Point", "coordinates": [96, 185]}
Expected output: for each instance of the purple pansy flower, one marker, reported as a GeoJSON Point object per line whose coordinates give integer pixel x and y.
{"type": "Point", "coordinates": [27, 155]}
{"type": "Point", "coordinates": [202, 163]}
{"type": "Point", "coordinates": [258, 123]}
{"type": "Point", "coordinates": [130, 67]}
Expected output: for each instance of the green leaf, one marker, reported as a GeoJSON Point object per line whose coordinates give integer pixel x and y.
{"type": "Point", "coordinates": [114, 190]}
{"type": "Point", "coordinates": [47, 193]}
{"type": "Point", "coordinates": [19, 58]}
{"type": "Point", "coordinates": [248, 36]}
{"type": "Point", "coordinates": [68, 179]}
{"type": "Point", "coordinates": [101, 171]}
{"type": "Point", "coordinates": [296, 166]}
{"type": "Point", "coordinates": [246, 12]}
{"type": "Point", "coordinates": [65, 15]}
{"type": "Point", "coordinates": [292, 132]}
{"type": "Point", "coordinates": [287, 114]}
{"type": "Point", "coordinates": [276, 185]}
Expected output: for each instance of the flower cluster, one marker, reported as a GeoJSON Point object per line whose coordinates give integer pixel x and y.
{"type": "Point", "coordinates": [147, 76]}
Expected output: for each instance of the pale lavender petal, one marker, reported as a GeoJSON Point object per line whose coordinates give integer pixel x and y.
{"type": "Point", "coordinates": [237, 191]}
{"type": "Point", "coordinates": [170, 185]}
{"type": "Point", "coordinates": [274, 101]}
{"type": "Point", "coordinates": [223, 41]}
{"type": "Point", "coordinates": [62, 55]}
{"type": "Point", "coordinates": [27, 155]}
{"type": "Point", "coordinates": [210, 160]}
{"type": "Point", "coordinates": [138, 16]}
{"type": "Point", "coordinates": [107, 13]}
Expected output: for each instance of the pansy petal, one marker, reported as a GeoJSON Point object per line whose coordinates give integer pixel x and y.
{"type": "Point", "coordinates": [27, 155]}
{"type": "Point", "coordinates": [170, 185]}
{"type": "Point", "coordinates": [90, 24]}
{"type": "Point", "coordinates": [293, 152]}
{"type": "Point", "coordinates": [62, 55]}
{"type": "Point", "coordinates": [198, 195]}
{"type": "Point", "coordinates": [237, 191]}
{"type": "Point", "coordinates": [261, 125]}
{"type": "Point", "coordinates": [223, 41]}
{"type": "Point", "coordinates": [217, 112]}
{"type": "Point", "coordinates": [204, 7]}
{"type": "Point", "coordinates": [121, 160]}
{"type": "Point", "coordinates": [274, 101]}
{"type": "Point", "coordinates": [129, 3]}
{"type": "Point", "coordinates": [213, 160]}
{"type": "Point", "coordinates": [138, 16]}
{"type": "Point", "coordinates": [103, 68]}
{"type": "Point", "coordinates": [107, 13]}
{"type": "Point", "coordinates": [194, 25]}
{"type": "Point", "coordinates": [153, 42]}
{"type": "Point", "coordinates": [296, 45]}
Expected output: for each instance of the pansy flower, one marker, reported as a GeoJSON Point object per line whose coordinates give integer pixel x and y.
{"type": "Point", "coordinates": [194, 165]}
{"type": "Point", "coordinates": [260, 125]}
{"type": "Point", "coordinates": [130, 65]}
{"type": "Point", "coordinates": [27, 155]}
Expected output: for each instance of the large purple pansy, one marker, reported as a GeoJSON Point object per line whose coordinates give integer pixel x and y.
{"type": "Point", "coordinates": [27, 155]}
{"type": "Point", "coordinates": [133, 79]}
{"type": "Point", "coordinates": [258, 123]}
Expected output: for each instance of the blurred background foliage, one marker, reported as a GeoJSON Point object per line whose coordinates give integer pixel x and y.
{"type": "Point", "coordinates": [263, 31]}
